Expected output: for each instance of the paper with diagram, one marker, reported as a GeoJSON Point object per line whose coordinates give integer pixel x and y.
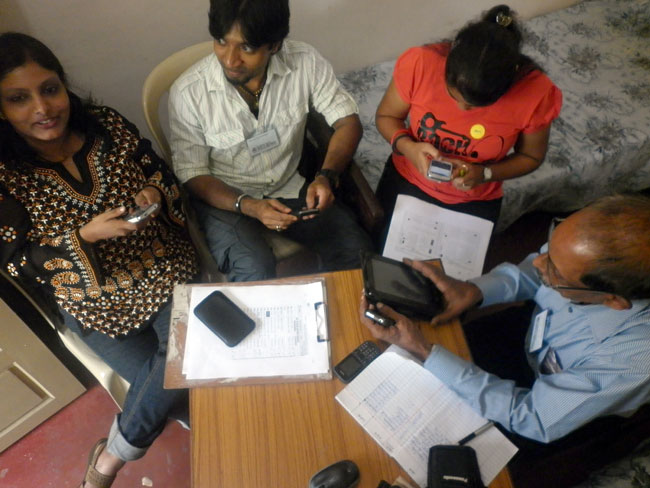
{"type": "Point", "coordinates": [421, 230]}
{"type": "Point", "coordinates": [407, 410]}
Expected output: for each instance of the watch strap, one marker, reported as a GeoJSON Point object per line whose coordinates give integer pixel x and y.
{"type": "Point", "coordinates": [331, 175]}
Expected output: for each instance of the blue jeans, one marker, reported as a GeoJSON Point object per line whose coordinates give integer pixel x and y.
{"type": "Point", "coordinates": [237, 245]}
{"type": "Point", "coordinates": [140, 359]}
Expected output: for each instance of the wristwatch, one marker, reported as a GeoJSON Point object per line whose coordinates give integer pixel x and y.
{"type": "Point", "coordinates": [487, 173]}
{"type": "Point", "coordinates": [331, 175]}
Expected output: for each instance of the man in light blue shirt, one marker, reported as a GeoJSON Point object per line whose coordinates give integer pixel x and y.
{"type": "Point", "coordinates": [588, 342]}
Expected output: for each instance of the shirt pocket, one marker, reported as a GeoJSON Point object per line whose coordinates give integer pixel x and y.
{"type": "Point", "coordinates": [293, 115]}
{"type": "Point", "coordinates": [224, 146]}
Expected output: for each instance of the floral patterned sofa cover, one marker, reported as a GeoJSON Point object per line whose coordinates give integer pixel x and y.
{"type": "Point", "coordinates": [598, 53]}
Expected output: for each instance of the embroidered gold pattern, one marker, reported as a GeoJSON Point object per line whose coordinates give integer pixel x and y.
{"type": "Point", "coordinates": [65, 278]}
{"type": "Point", "coordinates": [116, 285]}
{"type": "Point", "coordinates": [8, 233]}
{"type": "Point", "coordinates": [57, 263]}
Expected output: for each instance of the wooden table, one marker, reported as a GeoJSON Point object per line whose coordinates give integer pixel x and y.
{"type": "Point", "coordinates": [279, 435]}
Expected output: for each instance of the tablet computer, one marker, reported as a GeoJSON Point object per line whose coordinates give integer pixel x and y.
{"type": "Point", "coordinates": [400, 286]}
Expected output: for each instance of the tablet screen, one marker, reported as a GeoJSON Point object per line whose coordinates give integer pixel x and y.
{"type": "Point", "coordinates": [397, 280]}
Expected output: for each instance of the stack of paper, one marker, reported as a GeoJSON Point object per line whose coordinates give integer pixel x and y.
{"type": "Point", "coordinates": [407, 410]}
{"type": "Point", "coordinates": [290, 338]}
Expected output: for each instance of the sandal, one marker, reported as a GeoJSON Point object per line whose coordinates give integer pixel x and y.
{"type": "Point", "coordinates": [92, 475]}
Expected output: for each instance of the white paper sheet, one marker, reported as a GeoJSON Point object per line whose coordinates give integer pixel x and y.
{"type": "Point", "coordinates": [421, 230]}
{"type": "Point", "coordinates": [289, 339]}
{"type": "Point", "coordinates": [407, 410]}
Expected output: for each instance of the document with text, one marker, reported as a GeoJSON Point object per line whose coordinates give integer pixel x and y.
{"type": "Point", "coordinates": [407, 410]}
{"type": "Point", "coordinates": [290, 338]}
{"type": "Point", "coordinates": [421, 230]}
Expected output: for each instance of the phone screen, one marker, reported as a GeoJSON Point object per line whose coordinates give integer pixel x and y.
{"type": "Point", "coordinates": [395, 279]}
{"type": "Point", "coordinates": [439, 170]}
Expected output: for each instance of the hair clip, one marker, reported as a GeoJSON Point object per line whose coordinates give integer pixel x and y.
{"type": "Point", "coordinates": [504, 20]}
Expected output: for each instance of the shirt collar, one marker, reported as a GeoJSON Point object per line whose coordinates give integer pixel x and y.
{"type": "Point", "coordinates": [216, 80]}
{"type": "Point", "coordinates": [606, 322]}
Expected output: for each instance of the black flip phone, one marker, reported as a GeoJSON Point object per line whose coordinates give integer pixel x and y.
{"type": "Point", "coordinates": [229, 322]}
{"type": "Point", "coordinates": [400, 286]}
{"type": "Point", "coordinates": [453, 467]}
{"type": "Point", "coordinates": [356, 361]}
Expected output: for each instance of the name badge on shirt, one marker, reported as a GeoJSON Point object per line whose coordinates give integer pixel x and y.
{"type": "Point", "coordinates": [262, 142]}
{"type": "Point", "coordinates": [539, 326]}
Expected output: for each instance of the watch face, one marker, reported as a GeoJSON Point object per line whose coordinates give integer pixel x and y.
{"type": "Point", "coordinates": [487, 174]}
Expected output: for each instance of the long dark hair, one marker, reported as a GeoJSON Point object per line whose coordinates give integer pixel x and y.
{"type": "Point", "coordinates": [485, 58]}
{"type": "Point", "coordinates": [16, 49]}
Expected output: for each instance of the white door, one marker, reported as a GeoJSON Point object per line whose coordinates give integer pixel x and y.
{"type": "Point", "coordinates": [34, 384]}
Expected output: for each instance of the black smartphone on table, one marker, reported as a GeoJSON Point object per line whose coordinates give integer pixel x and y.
{"type": "Point", "coordinates": [400, 286]}
{"type": "Point", "coordinates": [223, 317]}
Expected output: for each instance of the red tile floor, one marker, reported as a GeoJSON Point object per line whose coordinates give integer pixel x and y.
{"type": "Point", "coordinates": [54, 455]}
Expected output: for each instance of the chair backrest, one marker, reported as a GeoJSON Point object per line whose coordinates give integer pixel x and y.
{"type": "Point", "coordinates": [158, 83]}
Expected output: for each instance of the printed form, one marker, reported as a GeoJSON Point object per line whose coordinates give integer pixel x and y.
{"type": "Point", "coordinates": [421, 230]}
{"type": "Point", "coordinates": [290, 336]}
{"type": "Point", "coordinates": [407, 410]}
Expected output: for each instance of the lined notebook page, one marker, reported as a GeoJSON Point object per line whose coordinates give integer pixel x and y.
{"type": "Point", "coordinates": [407, 410]}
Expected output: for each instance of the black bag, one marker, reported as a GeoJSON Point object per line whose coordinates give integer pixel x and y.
{"type": "Point", "coordinates": [453, 467]}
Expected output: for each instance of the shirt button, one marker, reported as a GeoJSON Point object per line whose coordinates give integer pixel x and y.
{"type": "Point", "coordinates": [570, 309]}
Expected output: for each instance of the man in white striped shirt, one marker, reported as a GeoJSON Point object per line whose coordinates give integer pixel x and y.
{"type": "Point", "coordinates": [238, 121]}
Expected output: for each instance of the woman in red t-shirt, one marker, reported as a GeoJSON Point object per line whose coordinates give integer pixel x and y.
{"type": "Point", "coordinates": [468, 102]}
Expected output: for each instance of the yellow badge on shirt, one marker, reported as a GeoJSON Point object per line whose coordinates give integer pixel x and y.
{"type": "Point", "coordinates": [477, 131]}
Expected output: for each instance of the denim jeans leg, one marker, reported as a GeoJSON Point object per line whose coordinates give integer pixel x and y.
{"type": "Point", "coordinates": [335, 235]}
{"type": "Point", "coordinates": [141, 360]}
{"type": "Point", "coordinates": [236, 243]}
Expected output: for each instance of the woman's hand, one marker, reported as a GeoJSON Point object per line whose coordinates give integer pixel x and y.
{"type": "Point", "coordinates": [467, 175]}
{"type": "Point", "coordinates": [148, 196]}
{"type": "Point", "coordinates": [418, 153]}
{"type": "Point", "coordinates": [107, 225]}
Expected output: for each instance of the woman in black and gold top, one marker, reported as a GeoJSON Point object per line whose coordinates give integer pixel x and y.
{"type": "Point", "coordinates": [69, 173]}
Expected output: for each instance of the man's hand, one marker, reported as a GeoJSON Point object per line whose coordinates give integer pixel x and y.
{"type": "Point", "coordinates": [107, 225]}
{"type": "Point", "coordinates": [319, 194]}
{"type": "Point", "coordinates": [459, 295]}
{"type": "Point", "coordinates": [271, 212]}
{"type": "Point", "coordinates": [404, 333]}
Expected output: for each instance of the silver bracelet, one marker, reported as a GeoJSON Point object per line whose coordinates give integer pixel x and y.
{"type": "Point", "coordinates": [238, 202]}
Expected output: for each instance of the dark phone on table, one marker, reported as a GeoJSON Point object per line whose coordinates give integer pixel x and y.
{"type": "Point", "coordinates": [229, 322]}
{"type": "Point", "coordinates": [356, 361]}
{"type": "Point", "coordinates": [141, 213]}
{"type": "Point", "coordinates": [400, 286]}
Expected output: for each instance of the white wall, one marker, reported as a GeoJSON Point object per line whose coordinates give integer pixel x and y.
{"type": "Point", "coordinates": [109, 46]}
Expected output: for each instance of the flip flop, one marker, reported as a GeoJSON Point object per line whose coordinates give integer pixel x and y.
{"type": "Point", "coordinates": [92, 475]}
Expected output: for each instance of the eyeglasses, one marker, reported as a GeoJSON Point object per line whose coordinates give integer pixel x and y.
{"type": "Point", "coordinates": [551, 270]}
